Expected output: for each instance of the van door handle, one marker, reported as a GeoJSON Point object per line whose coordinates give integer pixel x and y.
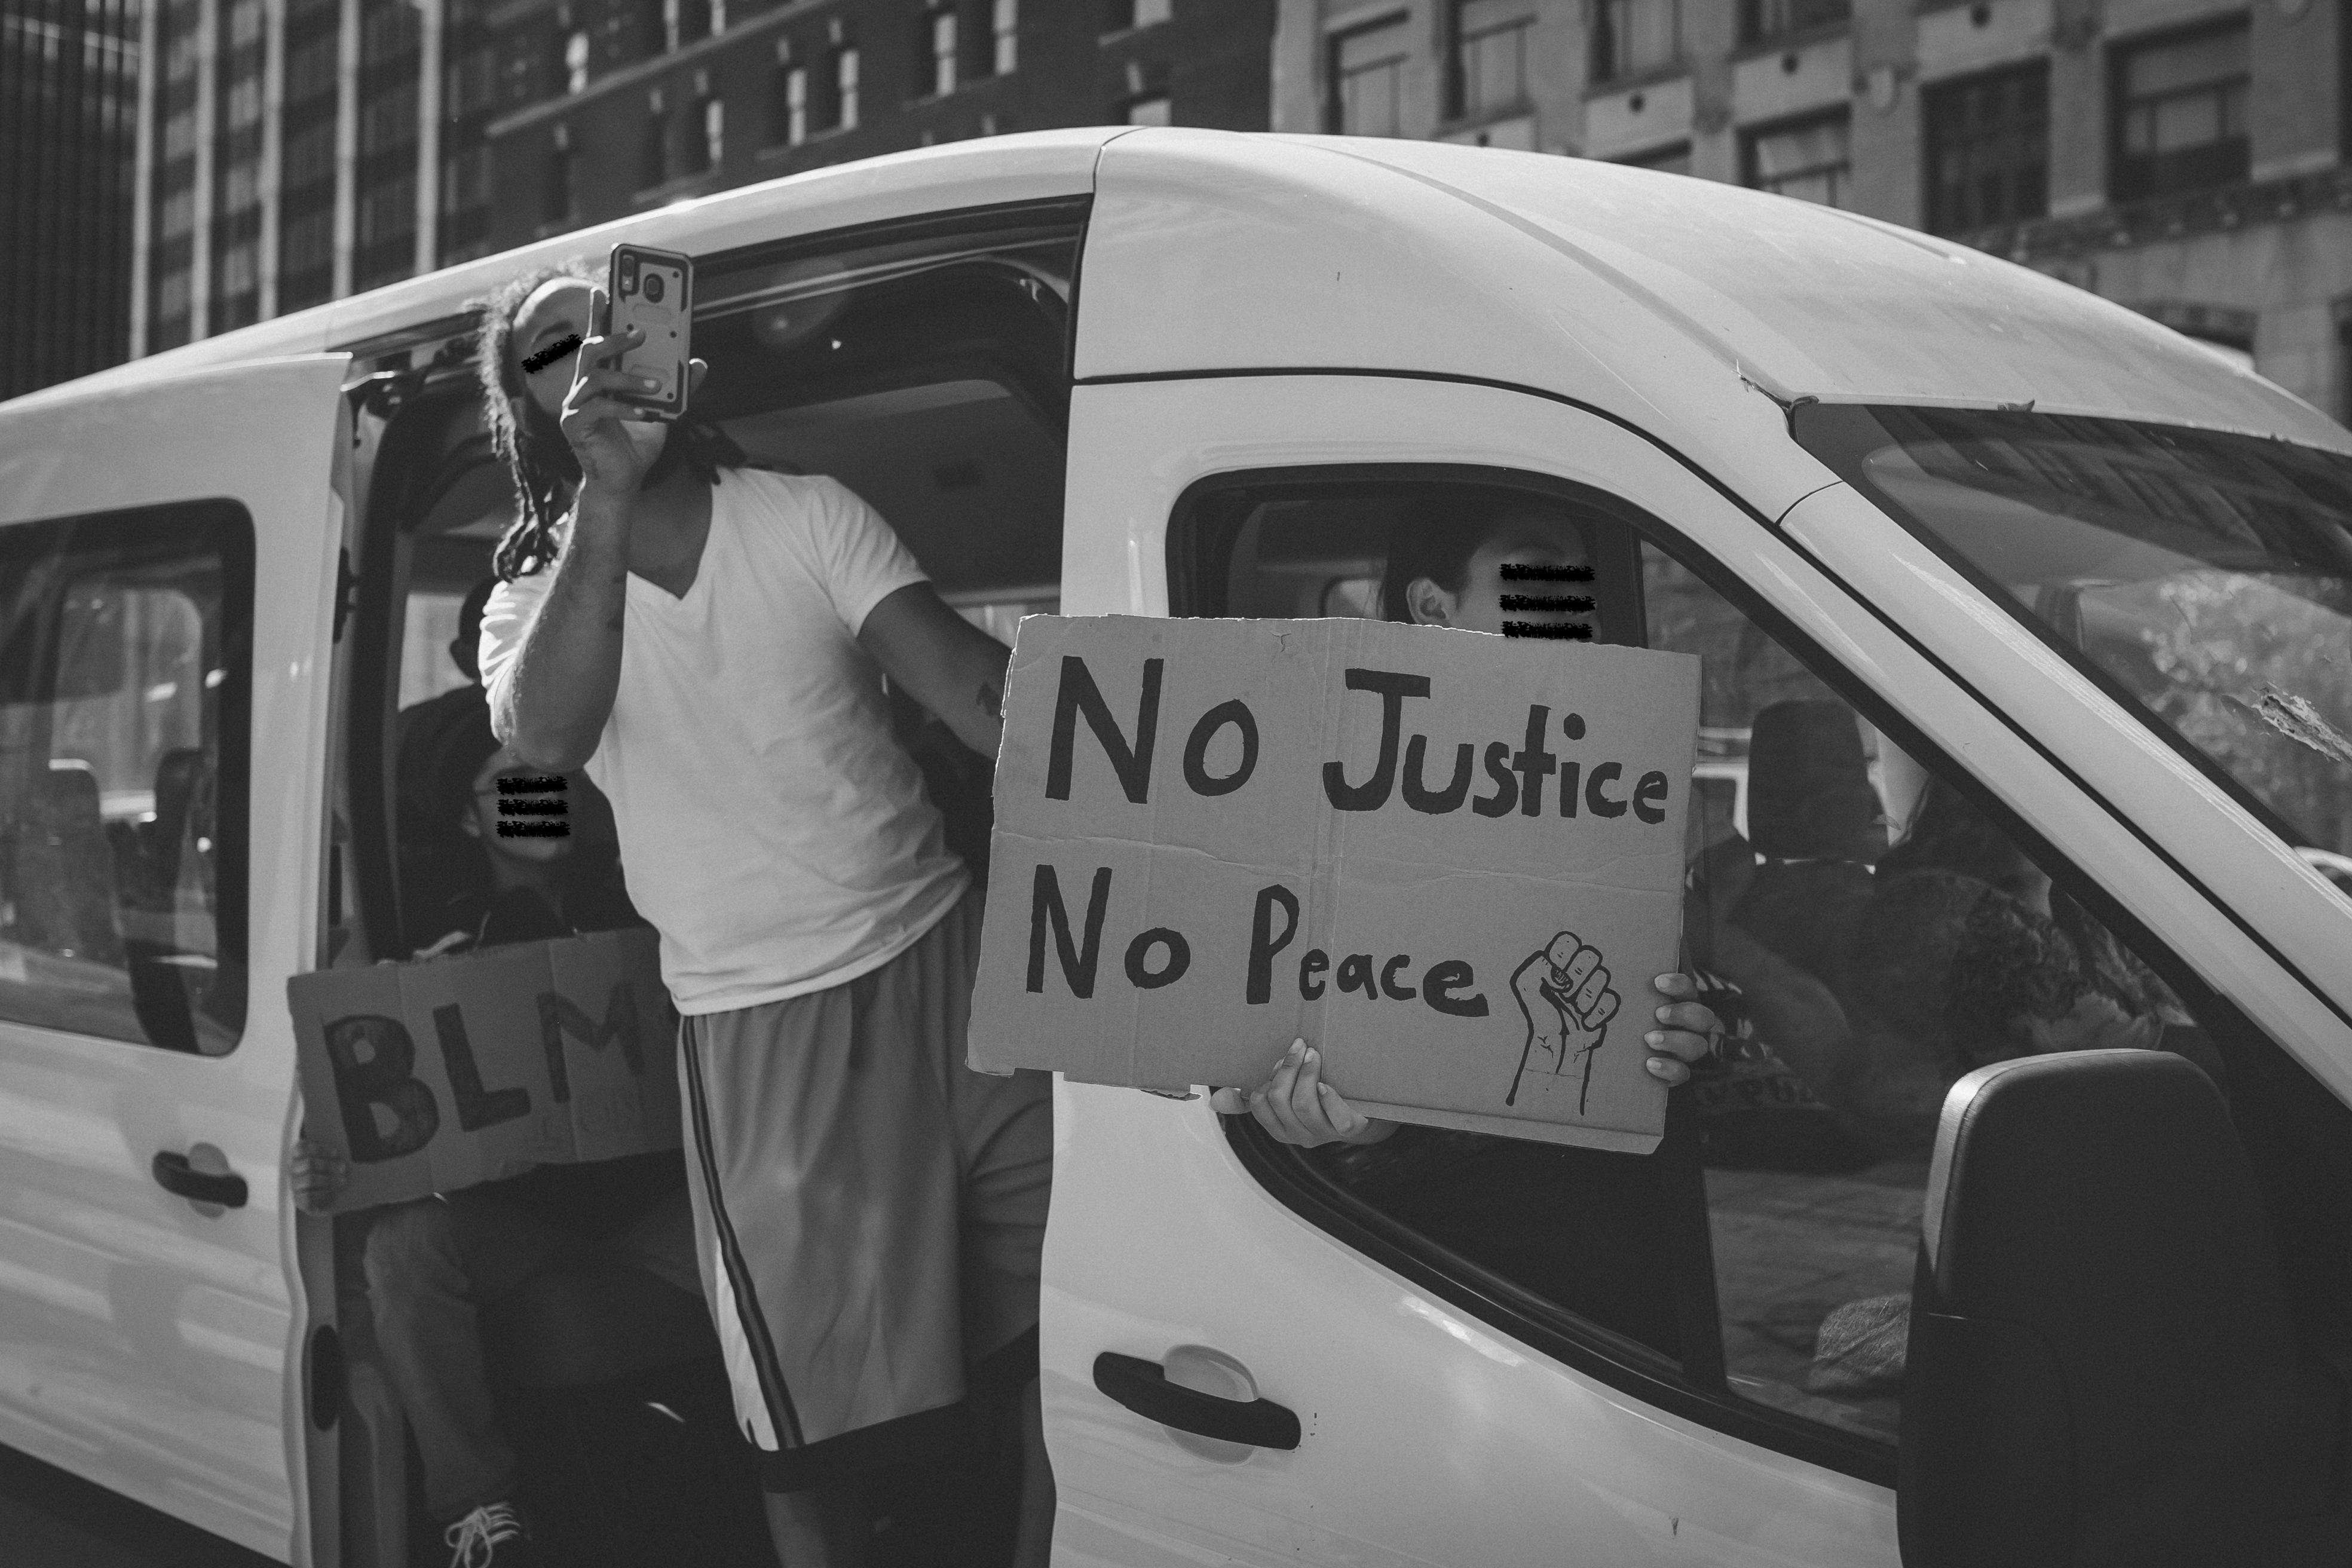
{"type": "Point", "coordinates": [1143, 1387]}
{"type": "Point", "coordinates": [174, 1175]}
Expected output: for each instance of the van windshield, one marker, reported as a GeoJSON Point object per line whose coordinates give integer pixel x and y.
{"type": "Point", "coordinates": [2204, 579]}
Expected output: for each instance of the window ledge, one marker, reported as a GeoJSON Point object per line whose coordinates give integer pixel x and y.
{"type": "Point", "coordinates": [683, 186]}
{"type": "Point", "coordinates": [1517, 110]}
{"type": "Point", "coordinates": [776, 151]}
{"type": "Point", "coordinates": [1791, 43]}
{"type": "Point", "coordinates": [1634, 81]}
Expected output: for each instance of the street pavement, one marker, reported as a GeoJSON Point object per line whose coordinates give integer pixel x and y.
{"type": "Point", "coordinates": [52, 1519]}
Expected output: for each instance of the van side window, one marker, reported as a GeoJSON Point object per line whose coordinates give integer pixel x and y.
{"type": "Point", "coordinates": [124, 673]}
{"type": "Point", "coordinates": [1862, 925]}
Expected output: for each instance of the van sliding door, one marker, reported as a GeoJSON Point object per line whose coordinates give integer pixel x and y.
{"type": "Point", "coordinates": [167, 570]}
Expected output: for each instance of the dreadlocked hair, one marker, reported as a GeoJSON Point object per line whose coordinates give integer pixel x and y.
{"type": "Point", "coordinates": [530, 442]}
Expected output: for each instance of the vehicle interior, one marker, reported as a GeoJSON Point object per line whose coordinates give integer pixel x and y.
{"type": "Point", "coordinates": [121, 670]}
{"type": "Point", "coordinates": [924, 365]}
{"type": "Point", "coordinates": [1770, 1240]}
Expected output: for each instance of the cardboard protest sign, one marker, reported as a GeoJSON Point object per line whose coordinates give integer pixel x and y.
{"type": "Point", "coordinates": [1451, 861]}
{"type": "Point", "coordinates": [434, 1076]}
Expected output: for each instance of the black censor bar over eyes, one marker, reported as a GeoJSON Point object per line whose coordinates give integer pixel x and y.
{"type": "Point", "coordinates": [1531, 630]}
{"type": "Point", "coordinates": [532, 364]}
{"type": "Point", "coordinates": [1578, 602]}
{"type": "Point", "coordinates": [518, 812]}
{"type": "Point", "coordinates": [1513, 572]}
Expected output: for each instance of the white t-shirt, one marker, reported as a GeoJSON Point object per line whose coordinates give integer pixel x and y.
{"type": "Point", "coordinates": [772, 829]}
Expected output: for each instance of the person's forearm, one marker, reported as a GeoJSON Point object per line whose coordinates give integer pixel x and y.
{"type": "Point", "coordinates": [569, 666]}
{"type": "Point", "coordinates": [978, 719]}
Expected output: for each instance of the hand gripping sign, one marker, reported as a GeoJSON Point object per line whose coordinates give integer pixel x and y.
{"type": "Point", "coordinates": [1413, 845]}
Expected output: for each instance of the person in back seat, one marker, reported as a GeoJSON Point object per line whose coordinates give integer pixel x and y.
{"type": "Point", "coordinates": [434, 1264]}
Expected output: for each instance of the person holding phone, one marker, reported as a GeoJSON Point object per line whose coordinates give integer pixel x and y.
{"type": "Point", "coordinates": [709, 642]}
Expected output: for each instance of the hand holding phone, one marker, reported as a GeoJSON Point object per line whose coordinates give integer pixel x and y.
{"type": "Point", "coordinates": [652, 290]}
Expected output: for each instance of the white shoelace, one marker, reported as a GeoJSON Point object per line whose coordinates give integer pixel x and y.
{"type": "Point", "coordinates": [474, 1538]}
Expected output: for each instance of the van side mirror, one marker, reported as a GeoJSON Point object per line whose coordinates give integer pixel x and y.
{"type": "Point", "coordinates": [2102, 1369]}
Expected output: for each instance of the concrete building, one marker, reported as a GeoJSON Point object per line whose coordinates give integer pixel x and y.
{"type": "Point", "coordinates": [2188, 158]}
{"type": "Point", "coordinates": [608, 107]}
{"type": "Point", "coordinates": [69, 114]}
{"type": "Point", "coordinates": [292, 151]}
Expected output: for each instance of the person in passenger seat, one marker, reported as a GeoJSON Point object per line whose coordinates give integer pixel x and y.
{"type": "Point", "coordinates": [433, 1266]}
{"type": "Point", "coordinates": [1505, 1203]}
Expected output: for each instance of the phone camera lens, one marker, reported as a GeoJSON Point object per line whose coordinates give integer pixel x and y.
{"type": "Point", "coordinates": [654, 287]}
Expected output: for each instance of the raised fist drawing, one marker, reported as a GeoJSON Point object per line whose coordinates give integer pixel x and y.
{"type": "Point", "coordinates": [1564, 995]}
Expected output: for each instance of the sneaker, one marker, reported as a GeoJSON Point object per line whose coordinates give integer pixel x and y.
{"type": "Point", "coordinates": [495, 1535]}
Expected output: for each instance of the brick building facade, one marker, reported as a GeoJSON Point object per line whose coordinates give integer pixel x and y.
{"type": "Point", "coordinates": [2184, 157]}
{"type": "Point", "coordinates": [608, 107]}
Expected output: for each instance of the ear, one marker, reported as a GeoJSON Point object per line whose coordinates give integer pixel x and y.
{"type": "Point", "coordinates": [1429, 604]}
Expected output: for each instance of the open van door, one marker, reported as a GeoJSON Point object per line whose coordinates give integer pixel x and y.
{"type": "Point", "coordinates": [168, 569]}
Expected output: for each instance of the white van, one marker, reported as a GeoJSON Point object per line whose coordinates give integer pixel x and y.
{"type": "Point", "coordinates": [2088, 584]}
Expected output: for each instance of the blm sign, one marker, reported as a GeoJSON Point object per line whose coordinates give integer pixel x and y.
{"type": "Point", "coordinates": [1452, 861]}
{"type": "Point", "coordinates": [432, 1076]}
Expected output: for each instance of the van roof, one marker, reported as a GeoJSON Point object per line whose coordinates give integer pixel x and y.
{"type": "Point", "coordinates": [1630, 288]}
{"type": "Point", "coordinates": [1566, 274]}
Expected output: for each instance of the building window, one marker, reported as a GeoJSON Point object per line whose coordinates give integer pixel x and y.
{"type": "Point", "coordinates": [575, 63]}
{"type": "Point", "coordinates": [310, 241]}
{"type": "Point", "coordinates": [1126, 16]}
{"type": "Point", "coordinates": [310, 156]}
{"type": "Point", "coordinates": [238, 274]}
{"type": "Point", "coordinates": [790, 127]}
{"type": "Point", "coordinates": [2180, 114]}
{"type": "Point", "coordinates": [1806, 159]}
{"type": "Point", "coordinates": [388, 211]}
{"type": "Point", "coordinates": [560, 200]}
{"type": "Point", "coordinates": [935, 50]}
{"type": "Point", "coordinates": [466, 180]}
{"type": "Point", "coordinates": [1004, 31]}
{"type": "Point", "coordinates": [393, 29]}
{"type": "Point", "coordinates": [240, 186]}
{"type": "Point", "coordinates": [1153, 110]}
{"type": "Point", "coordinates": [1989, 149]}
{"type": "Point", "coordinates": [1761, 21]}
{"type": "Point", "coordinates": [390, 120]}
{"type": "Point", "coordinates": [1627, 36]}
{"type": "Point", "coordinates": [1486, 59]}
{"type": "Point", "coordinates": [1366, 75]}
{"type": "Point", "coordinates": [471, 84]}
{"type": "Point", "coordinates": [652, 145]}
{"type": "Point", "coordinates": [686, 22]}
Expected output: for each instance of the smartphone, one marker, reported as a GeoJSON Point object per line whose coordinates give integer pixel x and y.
{"type": "Point", "coordinates": [652, 290]}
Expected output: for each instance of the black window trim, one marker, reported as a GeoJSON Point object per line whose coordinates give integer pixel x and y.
{"type": "Point", "coordinates": [1642, 1373]}
{"type": "Point", "coordinates": [224, 524]}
